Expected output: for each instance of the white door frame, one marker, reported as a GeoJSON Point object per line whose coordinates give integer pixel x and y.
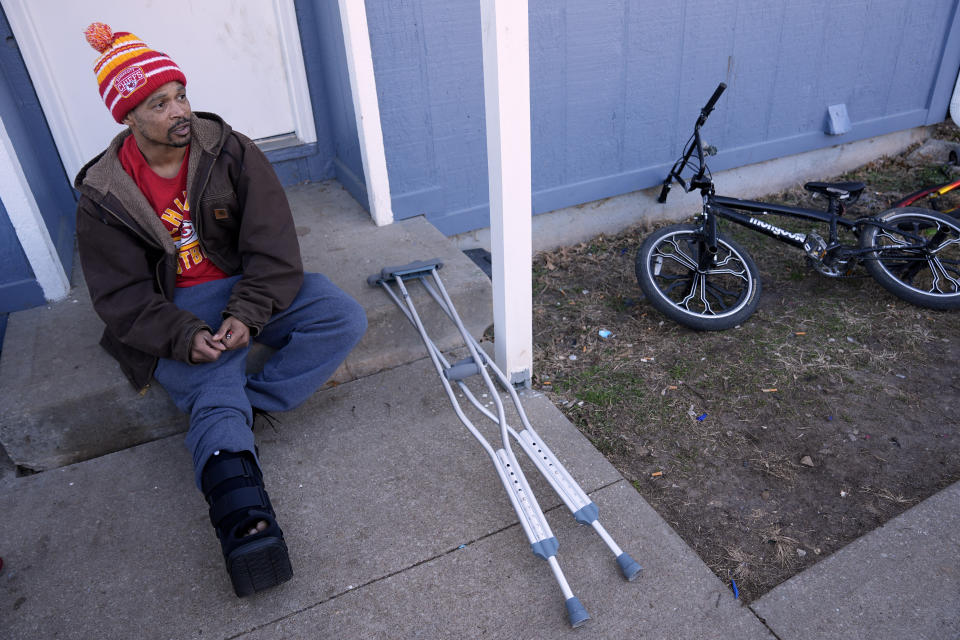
{"type": "Point", "coordinates": [366, 109]}
{"type": "Point", "coordinates": [31, 230]}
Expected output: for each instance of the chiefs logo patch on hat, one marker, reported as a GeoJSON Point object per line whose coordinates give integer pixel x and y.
{"type": "Point", "coordinates": [129, 80]}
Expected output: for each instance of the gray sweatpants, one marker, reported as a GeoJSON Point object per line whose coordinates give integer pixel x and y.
{"type": "Point", "coordinates": [312, 337]}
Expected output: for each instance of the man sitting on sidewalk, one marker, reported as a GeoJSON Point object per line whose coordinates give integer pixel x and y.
{"type": "Point", "coordinates": [189, 251]}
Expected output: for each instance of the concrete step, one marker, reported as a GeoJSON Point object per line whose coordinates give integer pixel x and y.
{"type": "Point", "coordinates": [63, 399]}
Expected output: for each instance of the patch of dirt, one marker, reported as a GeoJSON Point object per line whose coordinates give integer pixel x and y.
{"type": "Point", "coordinates": [772, 445]}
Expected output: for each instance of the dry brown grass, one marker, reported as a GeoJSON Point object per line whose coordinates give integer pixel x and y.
{"type": "Point", "coordinates": [834, 369]}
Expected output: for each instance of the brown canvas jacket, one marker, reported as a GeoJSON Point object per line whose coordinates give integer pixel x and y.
{"type": "Point", "coordinates": [244, 224]}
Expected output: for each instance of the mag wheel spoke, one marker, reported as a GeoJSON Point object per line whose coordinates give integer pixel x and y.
{"type": "Point", "coordinates": [943, 281]}
{"type": "Point", "coordinates": [696, 299]}
{"type": "Point", "coordinates": [720, 294]}
{"type": "Point", "coordinates": [740, 274]}
{"type": "Point", "coordinates": [944, 247]}
{"type": "Point", "coordinates": [676, 255]}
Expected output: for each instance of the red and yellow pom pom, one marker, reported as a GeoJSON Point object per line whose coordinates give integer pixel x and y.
{"type": "Point", "coordinates": [99, 35]}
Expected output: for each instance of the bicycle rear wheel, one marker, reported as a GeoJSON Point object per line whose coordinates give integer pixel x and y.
{"type": "Point", "coordinates": [720, 297]}
{"type": "Point", "coordinates": [917, 256]}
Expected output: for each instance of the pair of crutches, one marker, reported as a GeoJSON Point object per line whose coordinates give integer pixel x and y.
{"type": "Point", "coordinates": [534, 523]}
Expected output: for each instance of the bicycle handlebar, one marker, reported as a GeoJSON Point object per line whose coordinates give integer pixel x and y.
{"type": "Point", "coordinates": [712, 102]}
{"type": "Point", "coordinates": [696, 145]}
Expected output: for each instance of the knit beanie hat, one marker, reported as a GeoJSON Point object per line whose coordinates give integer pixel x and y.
{"type": "Point", "coordinates": [128, 71]}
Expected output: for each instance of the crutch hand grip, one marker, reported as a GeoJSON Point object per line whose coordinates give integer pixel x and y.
{"type": "Point", "coordinates": [411, 270]}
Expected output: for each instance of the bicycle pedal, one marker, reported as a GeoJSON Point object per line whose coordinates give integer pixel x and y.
{"type": "Point", "coordinates": [815, 246]}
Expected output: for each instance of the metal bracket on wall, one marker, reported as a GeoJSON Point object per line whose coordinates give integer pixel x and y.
{"type": "Point", "coordinates": [838, 121]}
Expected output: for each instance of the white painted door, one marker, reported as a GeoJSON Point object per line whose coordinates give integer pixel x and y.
{"type": "Point", "coordinates": [242, 60]}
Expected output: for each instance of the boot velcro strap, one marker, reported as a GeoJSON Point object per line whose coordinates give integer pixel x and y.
{"type": "Point", "coordinates": [242, 499]}
{"type": "Point", "coordinates": [222, 468]}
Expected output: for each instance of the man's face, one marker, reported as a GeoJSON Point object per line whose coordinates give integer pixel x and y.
{"type": "Point", "coordinates": [163, 119]}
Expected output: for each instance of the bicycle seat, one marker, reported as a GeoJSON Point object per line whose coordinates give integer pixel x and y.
{"type": "Point", "coordinates": [841, 190]}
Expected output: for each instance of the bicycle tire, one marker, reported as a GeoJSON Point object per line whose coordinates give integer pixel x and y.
{"type": "Point", "coordinates": [723, 297]}
{"type": "Point", "coordinates": [928, 276]}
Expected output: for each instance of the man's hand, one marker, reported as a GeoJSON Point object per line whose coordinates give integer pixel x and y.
{"type": "Point", "coordinates": [205, 348]}
{"type": "Point", "coordinates": [232, 334]}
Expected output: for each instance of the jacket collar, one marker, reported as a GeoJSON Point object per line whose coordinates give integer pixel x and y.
{"type": "Point", "coordinates": [104, 180]}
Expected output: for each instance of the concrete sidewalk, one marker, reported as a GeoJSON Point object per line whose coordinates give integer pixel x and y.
{"type": "Point", "coordinates": [399, 528]}
{"type": "Point", "coordinates": [397, 525]}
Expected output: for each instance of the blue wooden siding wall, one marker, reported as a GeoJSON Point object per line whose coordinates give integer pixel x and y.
{"type": "Point", "coordinates": [427, 61]}
{"type": "Point", "coordinates": [18, 287]}
{"type": "Point", "coordinates": [616, 85]}
{"type": "Point", "coordinates": [337, 152]}
{"type": "Point", "coordinates": [345, 156]}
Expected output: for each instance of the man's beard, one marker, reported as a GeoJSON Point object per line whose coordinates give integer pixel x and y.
{"type": "Point", "coordinates": [179, 143]}
{"type": "Point", "coordinates": [169, 141]}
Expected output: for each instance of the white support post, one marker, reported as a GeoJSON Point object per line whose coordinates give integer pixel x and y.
{"type": "Point", "coordinates": [506, 88]}
{"type": "Point", "coordinates": [363, 87]}
{"type": "Point", "coordinates": [31, 230]}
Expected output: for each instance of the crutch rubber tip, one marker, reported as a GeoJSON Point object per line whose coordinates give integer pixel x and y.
{"type": "Point", "coordinates": [576, 613]}
{"type": "Point", "coordinates": [630, 568]}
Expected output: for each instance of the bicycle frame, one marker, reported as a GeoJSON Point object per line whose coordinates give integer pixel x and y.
{"type": "Point", "coordinates": [729, 208]}
{"type": "Point", "coordinates": [733, 209]}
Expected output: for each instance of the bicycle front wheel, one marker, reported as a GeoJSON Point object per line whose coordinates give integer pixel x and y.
{"type": "Point", "coordinates": [719, 297]}
{"type": "Point", "coordinates": [916, 257]}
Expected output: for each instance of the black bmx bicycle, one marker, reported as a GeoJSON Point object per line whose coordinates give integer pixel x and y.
{"type": "Point", "coordinates": [700, 278]}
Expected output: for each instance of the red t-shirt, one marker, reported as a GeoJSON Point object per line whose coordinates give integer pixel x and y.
{"type": "Point", "coordinates": [168, 197]}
